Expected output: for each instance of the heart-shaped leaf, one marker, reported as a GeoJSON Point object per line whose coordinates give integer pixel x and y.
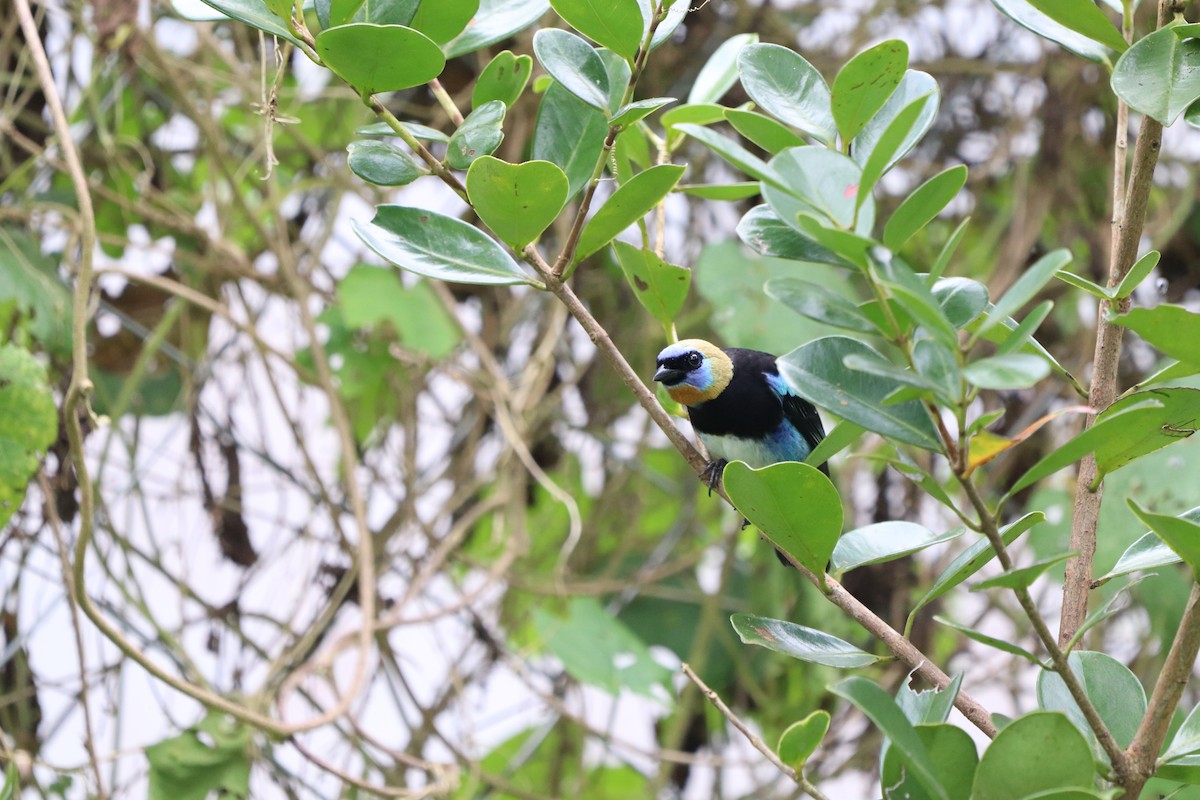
{"type": "Point", "coordinates": [363, 55]}
{"type": "Point", "coordinates": [660, 287]}
{"type": "Point", "coordinates": [503, 79]}
{"type": "Point", "coordinates": [802, 738]}
{"type": "Point", "coordinates": [517, 201]}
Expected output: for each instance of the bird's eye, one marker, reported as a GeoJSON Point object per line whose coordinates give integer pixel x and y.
{"type": "Point", "coordinates": [694, 360]}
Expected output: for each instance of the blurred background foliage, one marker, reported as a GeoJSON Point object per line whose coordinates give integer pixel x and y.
{"type": "Point", "coordinates": [542, 553]}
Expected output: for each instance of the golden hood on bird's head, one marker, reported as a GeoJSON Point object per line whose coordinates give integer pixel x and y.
{"type": "Point", "coordinates": [703, 382]}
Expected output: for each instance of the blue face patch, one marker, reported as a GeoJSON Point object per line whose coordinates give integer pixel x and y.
{"type": "Point", "coordinates": [700, 377]}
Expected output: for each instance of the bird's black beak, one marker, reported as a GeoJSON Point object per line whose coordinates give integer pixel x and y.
{"type": "Point", "coordinates": [668, 376]}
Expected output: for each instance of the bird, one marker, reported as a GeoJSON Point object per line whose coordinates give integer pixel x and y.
{"type": "Point", "coordinates": [741, 408]}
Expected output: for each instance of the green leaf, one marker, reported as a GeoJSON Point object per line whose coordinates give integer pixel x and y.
{"type": "Point", "coordinates": [383, 164]}
{"type": "Point", "coordinates": [1037, 752]}
{"type": "Point", "coordinates": [31, 280]}
{"type": "Point", "coordinates": [598, 649]}
{"type": "Point", "coordinates": [1137, 273]}
{"type": "Point", "coordinates": [947, 252]}
{"type": "Point", "coordinates": [913, 86]}
{"type": "Point", "coordinates": [819, 303]}
{"type": "Point", "coordinates": [696, 114]}
{"type": "Point", "coordinates": [676, 14]}
{"type": "Point", "coordinates": [1022, 577]}
{"type": "Point", "coordinates": [28, 424]}
{"type": "Point", "coordinates": [441, 21]}
{"type": "Point", "coordinates": [885, 541]}
{"type": "Point", "coordinates": [1159, 75]}
{"type": "Point", "coordinates": [1148, 552]}
{"type": "Point", "coordinates": [495, 21]}
{"type": "Point", "coordinates": [865, 84]}
{"type": "Point", "coordinates": [824, 181]}
{"type": "Point", "coordinates": [961, 299]}
{"type": "Point", "coordinates": [370, 296]}
{"type": "Point", "coordinates": [1026, 286]}
{"type": "Point", "coordinates": [802, 738]}
{"type": "Point", "coordinates": [1012, 371]}
{"type": "Point", "coordinates": [628, 204]}
{"type": "Point", "coordinates": [1179, 533]}
{"type": "Point", "coordinates": [841, 437]}
{"type": "Point", "coordinates": [767, 234]}
{"type": "Point", "coordinates": [1187, 739]}
{"type": "Point", "coordinates": [1002, 645]}
{"type": "Point", "coordinates": [517, 201]}
{"type": "Point", "coordinates": [1024, 332]}
{"type": "Point", "coordinates": [720, 191]}
{"type": "Point", "coordinates": [788, 87]}
{"type": "Point", "coordinates": [574, 64]}
{"type": "Point", "coordinates": [639, 110]}
{"type": "Point", "coordinates": [890, 143]}
{"type": "Point", "coordinates": [881, 709]}
{"type": "Point", "coordinates": [914, 297]}
{"type": "Point", "coordinates": [190, 767]}
{"type": "Point", "coordinates": [417, 130]}
{"type": "Point", "coordinates": [849, 246]}
{"type": "Point", "coordinates": [503, 79]}
{"type": "Point", "coordinates": [256, 14]}
{"type": "Point", "coordinates": [569, 133]}
{"type": "Point", "coordinates": [720, 72]}
{"type": "Point", "coordinates": [952, 754]}
{"type": "Point", "coordinates": [439, 247]}
{"type": "Point", "coordinates": [795, 505]}
{"type": "Point", "coordinates": [817, 372]}
{"type": "Point", "coordinates": [1116, 693]}
{"type": "Point", "coordinates": [615, 24]}
{"type": "Point", "coordinates": [362, 54]}
{"type": "Point", "coordinates": [971, 560]}
{"type": "Point", "coordinates": [1172, 329]}
{"type": "Point", "coordinates": [1027, 16]}
{"type": "Point", "coordinates": [1083, 17]}
{"type": "Point", "coordinates": [929, 706]}
{"type": "Point", "coordinates": [1080, 282]}
{"type": "Point", "coordinates": [800, 642]}
{"type": "Point", "coordinates": [479, 135]}
{"type": "Point", "coordinates": [762, 130]}
{"type": "Point", "coordinates": [660, 287]}
{"type": "Point", "coordinates": [732, 152]}
{"type": "Point", "coordinates": [920, 207]}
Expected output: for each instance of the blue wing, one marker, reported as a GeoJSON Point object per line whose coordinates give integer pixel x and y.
{"type": "Point", "coordinates": [800, 413]}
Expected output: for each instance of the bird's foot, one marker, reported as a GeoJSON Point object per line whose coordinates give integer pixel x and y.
{"type": "Point", "coordinates": [712, 474]}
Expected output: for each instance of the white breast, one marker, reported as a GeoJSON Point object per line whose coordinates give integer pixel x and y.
{"type": "Point", "coordinates": [732, 448]}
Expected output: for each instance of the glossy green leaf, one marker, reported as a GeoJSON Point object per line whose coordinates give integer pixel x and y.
{"type": "Point", "coordinates": [1001, 331]}
{"type": "Point", "coordinates": [1080, 282]}
{"type": "Point", "coordinates": [362, 54]}
{"type": "Point", "coordinates": [881, 709]}
{"type": "Point", "coordinates": [947, 252]}
{"type": "Point", "coordinates": [938, 363]}
{"type": "Point", "coordinates": [851, 247]}
{"type": "Point", "coordinates": [479, 135]}
{"type": "Point", "coordinates": [1187, 739]}
{"type": "Point", "coordinates": [920, 207]}
{"type": "Point", "coordinates": [213, 757]}
{"type": "Point", "coordinates": [503, 79]}
{"type": "Point", "coordinates": [795, 505]}
{"type": "Point", "coordinates": [1029, 284]}
{"type": "Point", "coordinates": [882, 368]}
{"type": "Point", "coordinates": [28, 424]}
{"type": "Point", "coordinates": [598, 649]}
{"type": "Point", "coordinates": [720, 72]}
{"type": "Point", "coordinates": [797, 641]}
{"type": "Point", "coordinates": [914, 297]}
{"type": "Point", "coordinates": [615, 24]}
{"type": "Point", "coordinates": [824, 182]}
{"type": "Point", "coordinates": [676, 14]}
{"type": "Point", "coordinates": [569, 133]}
{"type": "Point", "coordinates": [439, 247]}
{"type": "Point", "coordinates": [1084, 18]}
{"type": "Point", "coordinates": [574, 64]}
{"type": "Point", "coordinates": [1024, 332]}
{"type": "Point", "coordinates": [383, 164]}
{"type": "Point", "coordinates": [1137, 273]}
{"type": "Point", "coordinates": [865, 83]}
{"type": "Point", "coordinates": [1037, 752]}
{"type": "Point", "coordinates": [961, 299]}
{"type": "Point", "coordinates": [732, 152]}
{"type": "Point", "coordinates": [371, 296]}
{"type": "Point", "coordinates": [441, 21]}
{"type": "Point", "coordinates": [696, 114]}
{"type": "Point", "coordinates": [720, 191]}
{"type": "Point", "coordinates": [1172, 329]}
{"type": "Point", "coordinates": [1159, 75]}
{"type": "Point", "coordinates": [952, 754]}
{"type": "Point", "coordinates": [762, 130]}
{"type": "Point", "coordinates": [417, 130]}
{"type": "Point", "coordinates": [885, 541]}
{"type": "Point", "coordinates": [639, 110]}
{"type": "Point", "coordinates": [517, 201]}
{"type": "Point", "coordinates": [1148, 552]}
{"type": "Point", "coordinates": [1012, 371]}
{"type": "Point", "coordinates": [495, 21]}
{"type": "Point", "coordinates": [660, 287]}
{"type": "Point", "coordinates": [1116, 693]}
{"type": "Point", "coordinates": [256, 14]}
{"type": "Point", "coordinates": [930, 705]}
{"type": "Point", "coordinates": [819, 303]}
{"type": "Point", "coordinates": [817, 372]}
{"type": "Point", "coordinates": [619, 75]}
{"type": "Point", "coordinates": [973, 559]}
{"type": "Point", "coordinates": [1028, 16]}
{"type": "Point", "coordinates": [767, 234]}
{"type": "Point", "coordinates": [1003, 645]}
{"type": "Point", "coordinates": [913, 86]}
{"type": "Point", "coordinates": [1179, 533]}
{"type": "Point", "coordinates": [788, 87]}
{"type": "Point", "coordinates": [1022, 577]}
{"type": "Point", "coordinates": [628, 204]}
{"type": "Point", "coordinates": [802, 738]}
